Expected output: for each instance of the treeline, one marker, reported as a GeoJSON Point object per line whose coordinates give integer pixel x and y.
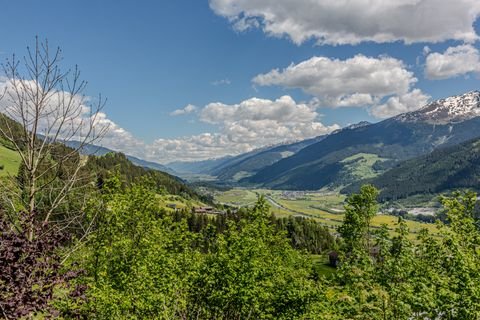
{"type": "Point", "coordinates": [118, 163]}
{"type": "Point", "coordinates": [449, 168]}
{"type": "Point", "coordinates": [137, 261]}
{"type": "Point", "coordinates": [303, 233]}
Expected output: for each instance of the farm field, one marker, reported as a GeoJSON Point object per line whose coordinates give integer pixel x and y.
{"type": "Point", "coordinates": [324, 207]}
{"type": "Point", "coordinates": [179, 202]}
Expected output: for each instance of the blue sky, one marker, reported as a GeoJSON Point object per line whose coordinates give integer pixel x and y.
{"type": "Point", "coordinates": [151, 58]}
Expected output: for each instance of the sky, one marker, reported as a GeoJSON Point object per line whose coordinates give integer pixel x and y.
{"type": "Point", "coordinates": [198, 79]}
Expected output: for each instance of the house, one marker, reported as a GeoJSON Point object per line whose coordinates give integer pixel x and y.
{"type": "Point", "coordinates": [203, 210]}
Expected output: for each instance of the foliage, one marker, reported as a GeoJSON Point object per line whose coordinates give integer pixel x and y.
{"type": "Point", "coordinates": [252, 273]}
{"type": "Point", "coordinates": [441, 170]}
{"type": "Point", "coordinates": [141, 264]}
{"type": "Point", "coordinates": [431, 278]}
{"type": "Point", "coordinates": [31, 269]}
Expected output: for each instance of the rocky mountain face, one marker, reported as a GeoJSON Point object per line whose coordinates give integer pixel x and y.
{"type": "Point", "coordinates": [450, 110]}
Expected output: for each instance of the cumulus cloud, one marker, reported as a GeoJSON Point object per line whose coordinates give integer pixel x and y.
{"type": "Point", "coordinates": [395, 105]}
{"type": "Point", "coordinates": [339, 22]}
{"type": "Point", "coordinates": [454, 62]}
{"type": "Point", "coordinates": [189, 108]}
{"type": "Point", "coordinates": [77, 122]}
{"type": "Point", "coordinates": [250, 124]}
{"type": "Point", "coordinates": [241, 127]}
{"type": "Point", "coordinates": [356, 82]}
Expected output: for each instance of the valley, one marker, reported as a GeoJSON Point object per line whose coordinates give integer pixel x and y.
{"type": "Point", "coordinates": [325, 207]}
{"type": "Point", "coordinates": [240, 160]}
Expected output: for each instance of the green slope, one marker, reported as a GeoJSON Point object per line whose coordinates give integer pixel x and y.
{"type": "Point", "coordinates": [9, 161]}
{"type": "Point", "coordinates": [118, 163]}
{"type": "Point", "coordinates": [323, 163]}
{"type": "Point", "coordinates": [441, 170]}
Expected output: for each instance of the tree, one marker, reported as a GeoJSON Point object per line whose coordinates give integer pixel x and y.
{"type": "Point", "coordinates": [359, 211]}
{"type": "Point", "coordinates": [52, 110]}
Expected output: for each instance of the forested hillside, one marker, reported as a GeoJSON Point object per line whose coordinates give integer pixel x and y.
{"type": "Point", "coordinates": [118, 163]}
{"type": "Point", "coordinates": [323, 163]}
{"type": "Point", "coordinates": [450, 168]}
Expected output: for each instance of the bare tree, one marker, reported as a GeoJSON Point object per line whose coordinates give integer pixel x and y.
{"type": "Point", "coordinates": [52, 110]}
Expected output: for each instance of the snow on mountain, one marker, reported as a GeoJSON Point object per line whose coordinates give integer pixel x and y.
{"type": "Point", "coordinates": [449, 110]}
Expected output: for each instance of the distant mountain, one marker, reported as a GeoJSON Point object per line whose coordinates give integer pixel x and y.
{"type": "Point", "coordinates": [250, 163]}
{"type": "Point", "coordinates": [443, 169]}
{"type": "Point", "coordinates": [450, 110]}
{"type": "Point", "coordinates": [197, 167]}
{"type": "Point", "coordinates": [334, 160]}
{"type": "Point", "coordinates": [90, 149]}
{"type": "Point", "coordinates": [234, 168]}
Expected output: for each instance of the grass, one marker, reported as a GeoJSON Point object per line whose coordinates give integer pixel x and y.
{"type": "Point", "coordinates": [321, 265]}
{"type": "Point", "coordinates": [179, 202]}
{"type": "Point", "coordinates": [324, 207]}
{"type": "Point", "coordinates": [237, 197]}
{"type": "Point", "coordinates": [10, 160]}
{"type": "Point", "coordinates": [360, 165]}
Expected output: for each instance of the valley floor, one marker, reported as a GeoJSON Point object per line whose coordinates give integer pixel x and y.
{"type": "Point", "coordinates": [325, 207]}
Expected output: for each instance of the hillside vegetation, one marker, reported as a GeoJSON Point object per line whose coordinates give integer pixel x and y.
{"type": "Point", "coordinates": [324, 163]}
{"type": "Point", "coordinates": [454, 167]}
{"type": "Point", "coordinates": [9, 161]}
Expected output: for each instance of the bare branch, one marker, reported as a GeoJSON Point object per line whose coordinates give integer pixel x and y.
{"type": "Point", "coordinates": [51, 109]}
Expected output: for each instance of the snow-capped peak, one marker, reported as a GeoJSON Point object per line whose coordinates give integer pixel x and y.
{"type": "Point", "coordinates": [452, 109]}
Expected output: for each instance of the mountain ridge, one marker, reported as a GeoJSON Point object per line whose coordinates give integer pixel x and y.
{"type": "Point", "coordinates": [395, 139]}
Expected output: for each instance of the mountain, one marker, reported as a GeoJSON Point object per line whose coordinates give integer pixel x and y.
{"type": "Point", "coordinates": [351, 154]}
{"type": "Point", "coordinates": [234, 168]}
{"type": "Point", "coordinates": [443, 169]}
{"type": "Point", "coordinates": [250, 163]}
{"type": "Point", "coordinates": [198, 167]}
{"type": "Point", "coordinates": [90, 149]}
{"type": "Point", "coordinates": [117, 162]}
{"type": "Point", "coordinates": [450, 110]}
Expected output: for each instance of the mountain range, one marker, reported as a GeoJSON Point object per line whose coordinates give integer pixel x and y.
{"type": "Point", "coordinates": [342, 157]}
{"type": "Point", "coordinates": [90, 149]}
{"type": "Point", "coordinates": [234, 168]}
{"type": "Point", "coordinates": [444, 169]}
{"type": "Point", "coordinates": [439, 138]}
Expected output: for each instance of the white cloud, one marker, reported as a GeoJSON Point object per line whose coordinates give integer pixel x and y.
{"type": "Point", "coordinates": [283, 110]}
{"type": "Point", "coordinates": [250, 124]}
{"type": "Point", "coordinates": [354, 21]}
{"type": "Point", "coordinates": [241, 127]}
{"type": "Point", "coordinates": [356, 82]}
{"type": "Point", "coordinates": [426, 50]}
{"type": "Point", "coordinates": [81, 117]}
{"type": "Point", "coordinates": [395, 105]}
{"type": "Point", "coordinates": [455, 61]}
{"type": "Point", "coordinates": [189, 108]}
